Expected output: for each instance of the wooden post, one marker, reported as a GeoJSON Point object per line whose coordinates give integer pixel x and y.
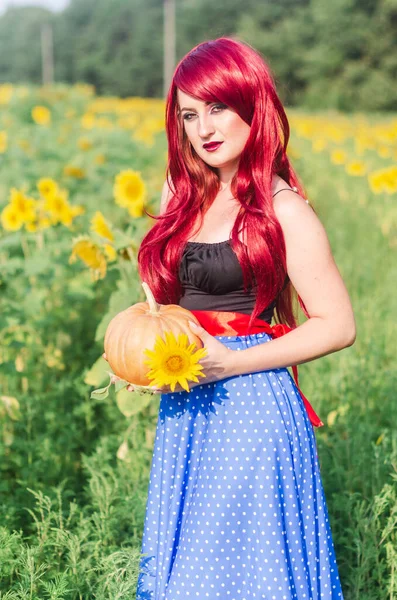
{"type": "Point", "coordinates": [47, 54]}
{"type": "Point", "coordinates": [169, 44]}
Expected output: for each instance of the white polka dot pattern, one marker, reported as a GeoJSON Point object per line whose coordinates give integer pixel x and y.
{"type": "Point", "coordinates": [236, 507]}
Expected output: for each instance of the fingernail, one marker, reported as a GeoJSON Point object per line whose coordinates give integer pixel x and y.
{"type": "Point", "coordinates": [192, 324]}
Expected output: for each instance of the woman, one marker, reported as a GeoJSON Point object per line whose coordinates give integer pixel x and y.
{"type": "Point", "coordinates": [236, 506]}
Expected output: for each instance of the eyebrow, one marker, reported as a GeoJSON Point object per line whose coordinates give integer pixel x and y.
{"type": "Point", "coordinates": [182, 109]}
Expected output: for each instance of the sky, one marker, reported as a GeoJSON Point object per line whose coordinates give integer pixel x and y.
{"type": "Point", "coordinates": [54, 5]}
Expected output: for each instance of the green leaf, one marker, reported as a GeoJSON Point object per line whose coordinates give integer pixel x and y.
{"type": "Point", "coordinates": [120, 384]}
{"type": "Point", "coordinates": [34, 301]}
{"type": "Point", "coordinates": [101, 393]}
{"type": "Point", "coordinates": [132, 403]}
{"type": "Point", "coordinates": [80, 286]}
{"type": "Point", "coordinates": [122, 452]}
{"type": "Point", "coordinates": [125, 296]}
{"type": "Point", "coordinates": [121, 240]}
{"type": "Point", "coordinates": [37, 264]}
{"type": "Point", "coordinates": [11, 405]}
{"type": "Point", "coordinates": [97, 374]}
{"type": "Point", "coordinates": [12, 265]}
{"type": "Point", "coordinates": [11, 240]}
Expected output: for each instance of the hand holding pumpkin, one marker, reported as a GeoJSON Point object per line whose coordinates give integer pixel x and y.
{"type": "Point", "coordinates": [216, 363]}
{"type": "Point", "coordinates": [154, 347]}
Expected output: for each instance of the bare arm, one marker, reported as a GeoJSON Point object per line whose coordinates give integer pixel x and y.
{"type": "Point", "coordinates": [316, 278]}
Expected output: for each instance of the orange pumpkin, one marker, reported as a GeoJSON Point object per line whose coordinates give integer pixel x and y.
{"type": "Point", "coordinates": [133, 330]}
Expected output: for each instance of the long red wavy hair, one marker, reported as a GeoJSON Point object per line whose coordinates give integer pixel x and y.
{"type": "Point", "coordinates": [228, 71]}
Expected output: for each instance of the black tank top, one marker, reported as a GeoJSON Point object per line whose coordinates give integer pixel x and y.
{"type": "Point", "coordinates": [212, 279]}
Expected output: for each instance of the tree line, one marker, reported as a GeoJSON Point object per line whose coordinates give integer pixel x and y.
{"type": "Point", "coordinates": [340, 54]}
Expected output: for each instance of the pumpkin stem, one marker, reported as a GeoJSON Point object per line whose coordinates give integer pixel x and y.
{"type": "Point", "coordinates": [153, 306]}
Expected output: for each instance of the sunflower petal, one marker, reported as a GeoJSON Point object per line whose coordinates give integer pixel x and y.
{"type": "Point", "coordinates": [182, 340]}
{"type": "Point", "coordinates": [182, 381]}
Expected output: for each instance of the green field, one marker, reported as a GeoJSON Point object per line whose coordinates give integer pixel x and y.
{"type": "Point", "coordinates": [74, 470]}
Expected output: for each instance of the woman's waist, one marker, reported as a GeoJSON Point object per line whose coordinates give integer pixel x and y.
{"type": "Point", "coordinates": [231, 323]}
{"type": "Point", "coordinates": [228, 303]}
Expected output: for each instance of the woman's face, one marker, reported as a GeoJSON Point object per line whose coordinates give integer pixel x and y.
{"type": "Point", "coordinates": [213, 122]}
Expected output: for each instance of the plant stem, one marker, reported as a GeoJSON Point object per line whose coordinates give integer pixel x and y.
{"type": "Point", "coordinates": [25, 246]}
{"type": "Point", "coordinates": [40, 240]}
{"type": "Point", "coordinates": [131, 255]}
{"type": "Point", "coordinates": [124, 271]}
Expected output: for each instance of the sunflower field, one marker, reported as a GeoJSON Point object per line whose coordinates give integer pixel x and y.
{"type": "Point", "coordinates": [76, 173]}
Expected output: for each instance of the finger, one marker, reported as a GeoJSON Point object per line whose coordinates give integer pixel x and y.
{"type": "Point", "coordinates": [114, 378]}
{"type": "Point", "coordinates": [130, 388]}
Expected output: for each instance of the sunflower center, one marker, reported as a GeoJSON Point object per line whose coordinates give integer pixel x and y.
{"type": "Point", "coordinates": [131, 189]}
{"type": "Point", "coordinates": [175, 363]}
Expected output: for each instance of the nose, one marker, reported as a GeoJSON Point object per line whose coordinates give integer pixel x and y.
{"type": "Point", "coordinates": [205, 126]}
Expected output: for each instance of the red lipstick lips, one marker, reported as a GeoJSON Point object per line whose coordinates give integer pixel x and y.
{"type": "Point", "coordinates": [212, 146]}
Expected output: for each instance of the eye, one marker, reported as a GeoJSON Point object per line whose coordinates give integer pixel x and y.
{"type": "Point", "coordinates": [187, 116]}
{"type": "Point", "coordinates": [221, 106]}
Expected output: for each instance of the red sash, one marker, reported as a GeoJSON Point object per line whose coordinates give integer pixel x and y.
{"type": "Point", "coordinates": [234, 323]}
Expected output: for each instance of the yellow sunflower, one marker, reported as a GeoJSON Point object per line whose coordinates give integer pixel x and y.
{"type": "Point", "coordinates": [47, 187]}
{"type": "Point", "coordinates": [173, 361]}
{"type": "Point", "coordinates": [77, 210]}
{"type": "Point", "coordinates": [23, 205]}
{"type": "Point", "coordinates": [100, 226]}
{"type": "Point", "coordinates": [66, 215]}
{"type": "Point", "coordinates": [11, 219]}
{"type": "Point", "coordinates": [383, 180]}
{"type": "Point", "coordinates": [130, 191]}
{"type": "Point", "coordinates": [31, 227]}
{"type": "Point", "coordinates": [84, 143]}
{"type": "Point", "coordinates": [100, 159]}
{"type": "Point", "coordinates": [356, 168]}
{"type": "Point", "coordinates": [88, 121]}
{"type": "Point", "coordinates": [338, 156]}
{"type": "Point", "coordinates": [375, 180]}
{"type": "Point", "coordinates": [91, 254]}
{"type": "Point", "coordinates": [75, 172]}
{"type": "Point", "coordinates": [57, 205]}
{"type": "Point", "coordinates": [41, 115]}
{"type": "Point", "coordinates": [110, 251]}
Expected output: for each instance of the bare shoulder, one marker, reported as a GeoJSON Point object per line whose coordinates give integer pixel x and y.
{"type": "Point", "coordinates": [299, 222]}
{"type": "Point", "coordinates": [287, 203]}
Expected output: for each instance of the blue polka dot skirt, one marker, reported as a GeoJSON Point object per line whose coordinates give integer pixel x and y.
{"type": "Point", "coordinates": [236, 507]}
